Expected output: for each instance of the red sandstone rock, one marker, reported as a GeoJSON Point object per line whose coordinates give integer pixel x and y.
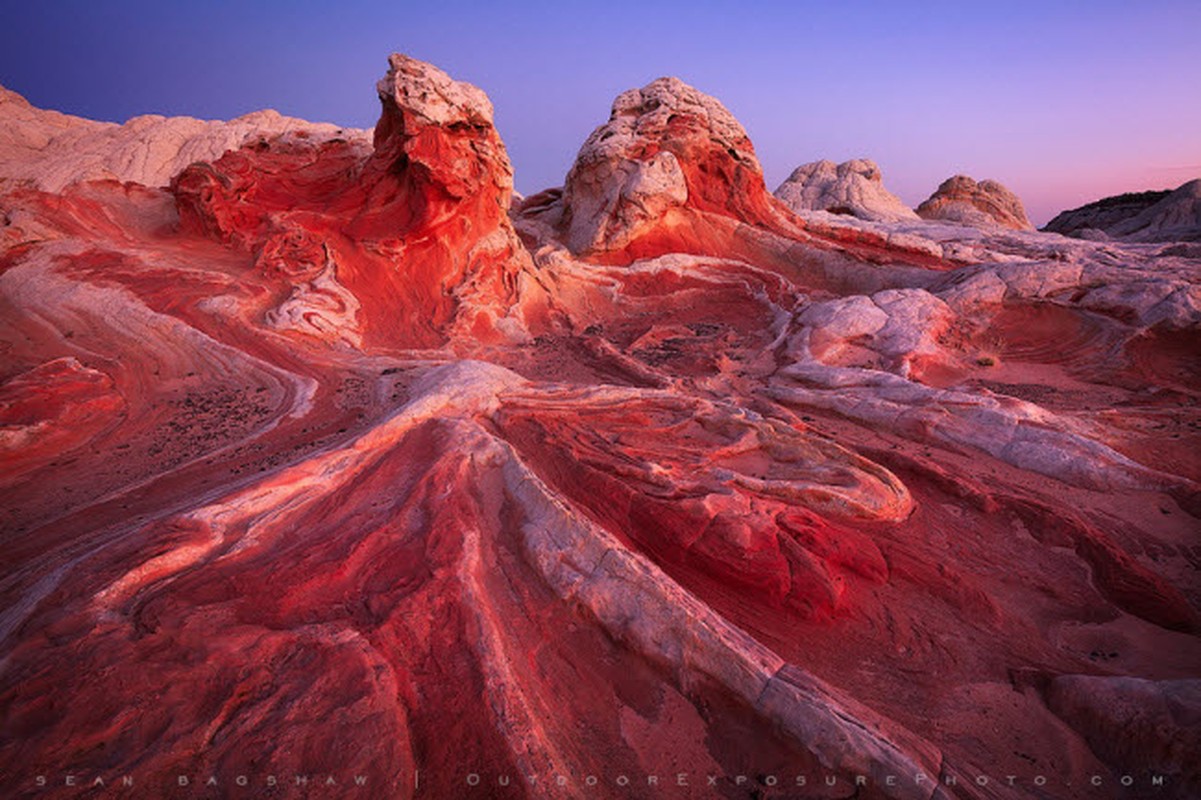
{"type": "Point", "coordinates": [1136, 723]}
{"type": "Point", "coordinates": [404, 242]}
{"type": "Point", "coordinates": [48, 150]}
{"type": "Point", "coordinates": [313, 467]}
{"type": "Point", "coordinates": [961, 199]}
{"type": "Point", "coordinates": [666, 146]}
{"type": "Point", "coordinates": [672, 171]}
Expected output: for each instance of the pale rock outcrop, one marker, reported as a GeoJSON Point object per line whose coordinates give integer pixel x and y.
{"type": "Point", "coordinates": [855, 187]}
{"type": "Point", "coordinates": [1176, 217]}
{"type": "Point", "coordinates": [49, 150]}
{"type": "Point", "coordinates": [1154, 216]}
{"type": "Point", "coordinates": [666, 145]}
{"type": "Point", "coordinates": [1093, 220]}
{"type": "Point", "coordinates": [893, 329]}
{"type": "Point", "coordinates": [672, 171]}
{"type": "Point", "coordinates": [1156, 291]}
{"type": "Point", "coordinates": [1019, 433]}
{"type": "Point", "coordinates": [984, 204]}
{"type": "Point", "coordinates": [983, 288]}
{"type": "Point", "coordinates": [429, 94]}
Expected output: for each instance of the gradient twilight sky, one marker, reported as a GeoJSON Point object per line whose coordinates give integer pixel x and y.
{"type": "Point", "coordinates": [1064, 102]}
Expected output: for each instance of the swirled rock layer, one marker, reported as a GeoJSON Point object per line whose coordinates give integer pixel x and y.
{"type": "Point", "coordinates": [320, 462]}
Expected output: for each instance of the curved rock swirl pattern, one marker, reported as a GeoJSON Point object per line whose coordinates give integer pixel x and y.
{"type": "Point", "coordinates": [328, 463]}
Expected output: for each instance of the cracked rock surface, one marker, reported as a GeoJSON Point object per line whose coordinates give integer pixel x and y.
{"type": "Point", "coordinates": [326, 455]}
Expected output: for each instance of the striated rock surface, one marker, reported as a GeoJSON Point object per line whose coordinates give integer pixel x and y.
{"type": "Point", "coordinates": [48, 150]}
{"type": "Point", "coordinates": [397, 244]}
{"type": "Point", "coordinates": [1094, 219]}
{"type": "Point", "coordinates": [853, 187]}
{"type": "Point", "coordinates": [1175, 218]}
{"type": "Point", "coordinates": [983, 204]}
{"type": "Point", "coordinates": [672, 171]}
{"type": "Point", "coordinates": [1136, 722]}
{"type": "Point", "coordinates": [1163, 216]}
{"type": "Point", "coordinates": [666, 148]}
{"type": "Point", "coordinates": [333, 459]}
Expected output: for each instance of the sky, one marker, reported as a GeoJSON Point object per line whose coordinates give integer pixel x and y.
{"type": "Point", "coordinates": [1063, 102]}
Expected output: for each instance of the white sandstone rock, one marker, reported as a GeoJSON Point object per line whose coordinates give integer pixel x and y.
{"type": "Point", "coordinates": [853, 185]}
{"type": "Point", "coordinates": [49, 150]}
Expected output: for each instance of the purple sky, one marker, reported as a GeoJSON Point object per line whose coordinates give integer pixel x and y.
{"type": "Point", "coordinates": [1062, 102]}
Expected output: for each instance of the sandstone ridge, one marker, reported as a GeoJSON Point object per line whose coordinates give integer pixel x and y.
{"type": "Point", "coordinates": [1156, 216]}
{"type": "Point", "coordinates": [49, 150]}
{"type": "Point", "coordinates": [326, 450]}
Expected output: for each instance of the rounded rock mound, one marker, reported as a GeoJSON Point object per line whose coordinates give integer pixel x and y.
{"type": "Point", "coordinates": [665, 146]}
{"type": "Point", "coordinates": [985, 204]}
{"type": "Point", "coordinates": [853, 187]}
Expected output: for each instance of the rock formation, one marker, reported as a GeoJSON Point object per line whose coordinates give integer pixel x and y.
{"type": "Point", "coordinates": [669, 158]}
{"type": "Point", "coordinates": [853, 187]}
{"type": "Point", "coordinates": [672, 171]}
{"type": "Point", "coordinates": [1135, 722]}
{"type": "Point", "coordinates": [325, 460]}
{"type": "Point", "coordinates": [987, 203]}
{"type": "Point", "coordinates": [1166, 216]}
{"type": "Point", "coordinates": [419, 241]}
{"type": "Point", "coordinates": [1096, 218]}
{"type": "Point", "coordinates": [48, 150]}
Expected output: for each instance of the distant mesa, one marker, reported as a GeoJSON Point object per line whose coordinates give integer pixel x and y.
{"type": "Point", "coordinates": [1152, 216]}
{"type": "Point", "coordinates": [852, 187]}
{"type": "Point", "coordinates": [986, 204]}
